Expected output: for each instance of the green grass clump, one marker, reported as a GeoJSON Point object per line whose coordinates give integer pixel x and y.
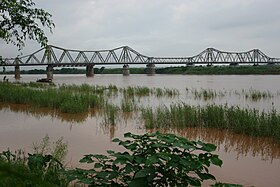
{"type": "Point", "coordinates": [143, 91]}
{"type": "Point", "coordinates": [128, 105]}
{"type": "Point", "coordinates": [245, 121]}
{"type": "Point", "coordinates": [110, 114]}
{"type": "Point", "coordinates": [205, 94]}
{"type": "Point", "coordinates": [138, 91]}
{"type": "Point", "coordinates": [256, 95]}
{"type": "Point", "coordinates": [62, 99]}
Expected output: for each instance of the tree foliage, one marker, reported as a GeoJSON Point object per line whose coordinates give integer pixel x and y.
{"type": "Point", "coordinates": [20, 20]}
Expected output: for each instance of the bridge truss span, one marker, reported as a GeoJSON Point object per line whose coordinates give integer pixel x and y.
{"type": "Point", "coordinates": [57, 56]}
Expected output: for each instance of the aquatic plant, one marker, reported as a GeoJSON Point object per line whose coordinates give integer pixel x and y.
{"type": "Point", "coordinates": [110, 114]}
{"type": "Point", "coordinates": [128, 105]}
{"type": "Point", "coordinates": [256, 95]}
{"type": "Point", "coordinates": [245, 121]}
{"type": "Point", "coordinates": [53, 98]}
{"type": "Point", "coordinates": [138, 91]}
{"type": "Point", "coordinates": [167, 92]}
{"type": "Point", "coordinates": [205, 94]}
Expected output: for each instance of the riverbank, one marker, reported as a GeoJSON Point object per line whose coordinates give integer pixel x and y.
{"type": "Point", "coordinates": [187, 70]}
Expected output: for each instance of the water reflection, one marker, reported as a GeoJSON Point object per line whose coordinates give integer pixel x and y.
{"type": "Point", "coordinates": [229, 142]}
{"type": "Point", "coordinates": [42, 112]}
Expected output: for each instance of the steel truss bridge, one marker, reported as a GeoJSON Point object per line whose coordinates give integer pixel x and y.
{"type": "Point", "coordinates": [57, 56]}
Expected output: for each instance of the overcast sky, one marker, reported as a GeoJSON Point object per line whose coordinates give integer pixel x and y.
{"type": "Point", "coordinates": [162, 27]}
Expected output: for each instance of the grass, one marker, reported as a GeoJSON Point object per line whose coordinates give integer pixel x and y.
{"type": "Point", "coordinates": [210, 94]}
{"type": "Point", "coordinates": [256, 95]}
{"type": "Point", "coordinates": [76, 99]}
{"type": "Point", "coordinates": [221, 70]}
{"type": "Point", "coordinates": [205, 94]}
{"type": "Point", "coordinates": [142, 91]}
{"type": "Point", "coordinates": [62, 99]}
{"type": "Point", "coordinates": [111, 114]}
{"type": "Point", "coordinates": [128, 105]}
{"type": "Point", "coordinates": [244, 121]}
{"type": "Point", "coordinates": [195, 70]}
{"type": "Point", "coordinates": [42, 168]}
{"type": "Point", "coordinates": [73, 99]}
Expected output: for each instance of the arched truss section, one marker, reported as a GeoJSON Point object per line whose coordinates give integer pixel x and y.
{"type": "Point", "coordinates": [125, 55]}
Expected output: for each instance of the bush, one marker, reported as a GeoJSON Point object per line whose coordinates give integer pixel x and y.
{"type": "Point", "coordinates": [150, 160]}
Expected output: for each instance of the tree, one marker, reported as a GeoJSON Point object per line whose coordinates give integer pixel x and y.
{"type": "Point", "coordinates": [20, 20]}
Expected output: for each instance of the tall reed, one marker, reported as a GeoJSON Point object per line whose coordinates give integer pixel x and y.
{"type": "Point", "coordinates": [53, 98]}
{"type": "Point", "coordinates": [110, 114]}
{"type": "Point", "coordinates": [128, 105]}
{"type": "Point", "coordinates": [256, 95]}
{"type": "Point", "coordinates": [245, 121]}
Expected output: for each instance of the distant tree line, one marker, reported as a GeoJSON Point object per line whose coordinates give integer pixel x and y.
{"type": "Point", "coordinates": [196, 70]}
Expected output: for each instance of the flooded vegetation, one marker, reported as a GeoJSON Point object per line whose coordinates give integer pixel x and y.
{"type": "Point", "coordinates": [243, 121]}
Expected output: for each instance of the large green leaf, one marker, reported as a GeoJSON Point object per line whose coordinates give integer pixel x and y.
{"type": "Point", "coordinates": [138, 182]}
{"type": "Point", "coordinates": [206, 176]}
{"type": "Point", "coordinates": [152, 160]}
{"type": "Point", "coordinates": [98, 165]}
{"type": "Point", "coordinates": [144, 172]}
{"type": "Point", "coordinates": [216, 161]}
{"type": "Point", "coordinates": [225, 185]}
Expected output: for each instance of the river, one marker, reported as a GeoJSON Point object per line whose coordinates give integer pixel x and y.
{"type": "Point", "coordinates": [247, 160]}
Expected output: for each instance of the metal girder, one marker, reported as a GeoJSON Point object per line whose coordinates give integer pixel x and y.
{"type": "Point", "coordinates": [126, 55]}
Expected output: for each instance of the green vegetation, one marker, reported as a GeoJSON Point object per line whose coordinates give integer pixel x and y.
{"type": "Point", "coordinates": [245, 121]}
{"type": "Point", "coordinates": [210, 94]}
{"type": "Point", "coordinates": [205, 94]}
{"type": "Point", "coordinates": [221, 70]}
{"type": "Point", "coordinates": [43, 168]}
{"type": "Point", "coordinates": [110, 114]}
{"type": "Point", "coordinates": [53, 98]}
{"type": "Point", "coordinates": [256, 95]}
{"type": "Point", "coordinates": [143, 91]}
{"type": "Point", "coordinates": [119, 71]}
{"type": "Point", "coordinates": [150, 160]}
{"type": "Point", "coordinates": [128, 105]}
{"type": "Point", "coordinates": [81, 99]}
{"type": "Point", "coordinates": [73, 98]}
{"type": "Point", "coordinates": [20, 20]}
{"type": "Point", "coordinates": [193, 70]}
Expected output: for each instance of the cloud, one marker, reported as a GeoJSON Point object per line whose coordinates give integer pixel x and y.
{"type": "Point", "coordinates": [163, 27]}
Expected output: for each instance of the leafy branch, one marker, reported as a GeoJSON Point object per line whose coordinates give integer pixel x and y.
{"type": "Point", "coordinates": [20, 20]}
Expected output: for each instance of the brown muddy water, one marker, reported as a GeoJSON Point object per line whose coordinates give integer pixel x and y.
{"type": "Point", "coordinates": [247, 160]}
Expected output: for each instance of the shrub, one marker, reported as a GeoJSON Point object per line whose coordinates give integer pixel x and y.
{"type": "Point", "coordinates": [150, 160]}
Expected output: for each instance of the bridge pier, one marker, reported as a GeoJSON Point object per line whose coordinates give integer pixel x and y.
{"type": "Point", "coordinates": [233, 64]}
{"type": "Point", "coordinates": [150, 69]}
{"type": "Point", "coordinates": [190, 64]}
{"type": "Point", "coordinates": [125, 70]}
{"type": "Point", "coordinates": [49, 72]}
{"type": "Point", "coordinates": [270, 64]}
{"type": "Point", "coordinates": [17, 72]}
{"type": "Point", "coordinates": [89, 70]}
